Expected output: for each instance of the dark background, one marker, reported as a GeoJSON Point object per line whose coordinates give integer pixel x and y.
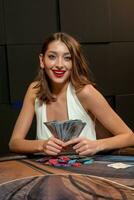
{"type": "Point", "coordinates": [105, 29]}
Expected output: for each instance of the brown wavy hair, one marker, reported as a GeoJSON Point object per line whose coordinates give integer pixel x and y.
{"type": "Point", "coordinates": [80, 74]}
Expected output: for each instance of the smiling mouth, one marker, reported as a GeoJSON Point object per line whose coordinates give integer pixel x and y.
{"type": "Point", "coordinates": [59, 73]}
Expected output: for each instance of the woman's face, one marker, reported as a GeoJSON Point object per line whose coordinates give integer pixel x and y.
{"type": "Point", "coordinates": [57, 62]}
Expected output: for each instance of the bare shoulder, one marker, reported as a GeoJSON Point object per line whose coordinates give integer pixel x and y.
{"type": "Point", "coordinates": [88, 91]}
{"type": "Point", "coordinates": [32, 90]}
{"type": "Point", "coordinates": [33, 85]}
{"type": "Point", "coordinates": [90, 97]}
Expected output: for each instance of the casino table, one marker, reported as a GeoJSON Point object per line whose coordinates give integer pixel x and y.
{"type": "Point", "coordinates": [23, 177]}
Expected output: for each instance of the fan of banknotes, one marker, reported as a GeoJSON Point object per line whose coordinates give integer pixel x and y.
{"type": "Point", "coordinates": [65, 130]}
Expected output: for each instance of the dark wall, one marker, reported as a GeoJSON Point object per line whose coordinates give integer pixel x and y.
{"type": "Point", "coordinates": [105, 28]}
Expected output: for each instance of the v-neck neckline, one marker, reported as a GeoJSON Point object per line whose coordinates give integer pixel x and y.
{"type": "Point", "coordinates": [44, 113]}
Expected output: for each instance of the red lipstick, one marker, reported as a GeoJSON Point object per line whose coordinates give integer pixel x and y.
{"type": "Point", "coordinates": [59, 73]}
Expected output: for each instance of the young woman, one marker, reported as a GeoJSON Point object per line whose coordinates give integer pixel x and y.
{"type": "Point", "coordinates": [63, 91]}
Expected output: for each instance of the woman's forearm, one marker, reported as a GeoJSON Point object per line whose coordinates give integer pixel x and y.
{"type": "Point", "coordinates": [117, 142]}
{"type": "Point", "coordinates": [26, 146]}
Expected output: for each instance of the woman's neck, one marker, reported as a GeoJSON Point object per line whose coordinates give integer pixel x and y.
{"type": "Point", "coordinates": [59, 89]}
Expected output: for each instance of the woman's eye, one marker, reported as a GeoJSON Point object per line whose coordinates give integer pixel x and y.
{"type": "Point", "coordinates": [67, 58]}
{"type": "Point", "coordinates": [52, 57]}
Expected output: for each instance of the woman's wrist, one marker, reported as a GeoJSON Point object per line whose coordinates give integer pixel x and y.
{"type": "Point", "coordinates": [40, 146]}
{"type": "Point", "coordinates": [101, 145]}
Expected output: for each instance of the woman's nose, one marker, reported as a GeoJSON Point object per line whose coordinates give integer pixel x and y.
{"type": "Point", "coordinates": [59, 62]}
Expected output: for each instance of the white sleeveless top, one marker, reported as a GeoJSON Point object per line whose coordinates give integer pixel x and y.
{"type": "Point", "coordinates": [75, 111]}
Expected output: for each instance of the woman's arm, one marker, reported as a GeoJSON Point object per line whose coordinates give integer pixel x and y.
{"type": "Point", "coordinates": [98, 106]}
{"type": "Point", "coordinates": [18, 143]}
{"type": "Point", "coordinates": [95, 103]}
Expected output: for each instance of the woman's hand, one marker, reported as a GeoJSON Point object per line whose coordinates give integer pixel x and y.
{"type": "Point", "coordinates": [84, 146]}
{"type": "Point", "coordinates": [53, 146]}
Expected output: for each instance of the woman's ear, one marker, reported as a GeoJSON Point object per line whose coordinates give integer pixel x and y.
{"type": "Point", "coordinates": [41, 61]}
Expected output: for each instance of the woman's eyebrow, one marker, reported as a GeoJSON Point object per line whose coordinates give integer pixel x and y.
{"type": "Point", "coordinates": [67, 53]}
{"type": "Point", "coordinates": [55, 52]}
{"type": "Point", "coordinates": [52, 52]}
